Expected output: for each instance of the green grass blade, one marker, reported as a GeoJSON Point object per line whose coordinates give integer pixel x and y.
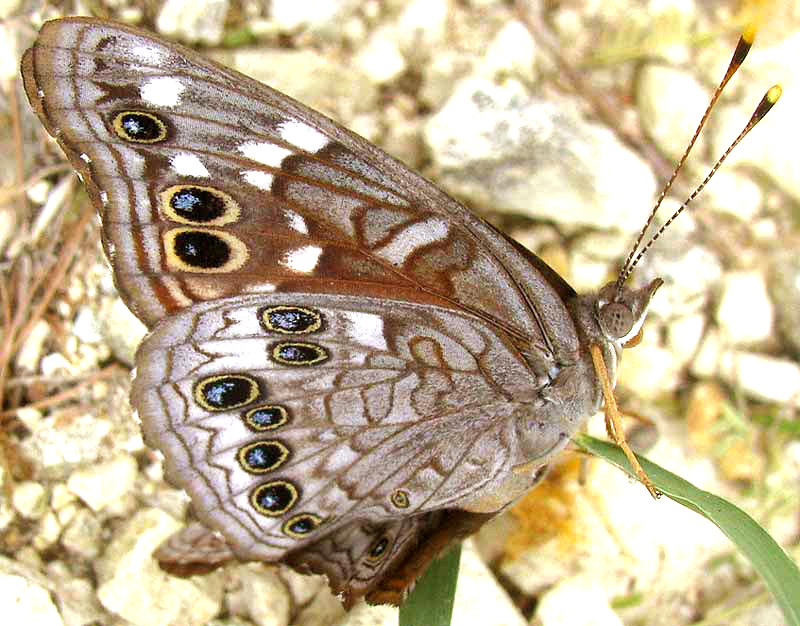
{"type": "Point", "coordinates": [431, 602]}
{"type": "Point", "coordinates": [779, 572]}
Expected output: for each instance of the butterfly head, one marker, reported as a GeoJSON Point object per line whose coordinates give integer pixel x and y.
{"type": "Point", "coordinates": [621, 312]}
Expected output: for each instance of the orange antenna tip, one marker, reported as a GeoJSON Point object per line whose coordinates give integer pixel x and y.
{"type": "Point", "coordinates": [774, 93]}
{"type": "Point", "coordinates": [749, 34]}
{"type": "Point", "coordinates": [742, 48]}
{"type": "Point", "coordinates": [770, 98]}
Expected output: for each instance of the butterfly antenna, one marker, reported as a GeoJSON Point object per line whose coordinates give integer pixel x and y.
{"type": "Point", "coordinates": [767, 102]}
{"type": "Point", "coordinates": [742, 48]}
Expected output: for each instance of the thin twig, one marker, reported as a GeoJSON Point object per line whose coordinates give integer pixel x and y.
{"type": "Point", "coordinates": [106, 372]}
{"type": "Point", "coordinates": [56, 279]}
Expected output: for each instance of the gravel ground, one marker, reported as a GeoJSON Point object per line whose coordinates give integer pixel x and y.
{"type": "Point", "coordinates": [561, 135]}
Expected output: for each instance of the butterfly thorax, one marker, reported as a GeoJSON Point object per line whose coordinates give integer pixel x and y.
{"type": "Point", "coordinates": [609, 318]}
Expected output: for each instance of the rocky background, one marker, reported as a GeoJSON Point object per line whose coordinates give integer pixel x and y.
{"type": "Point", "coordinates": [558, 121]}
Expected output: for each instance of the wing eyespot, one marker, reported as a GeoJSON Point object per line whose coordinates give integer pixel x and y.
{"type": "Point", "coordinates": [226, 392]}
{"type": "Point", "coordinates": [301, 525]}
{"type": "Point", "coordinates": [378, 550]}
{"type": "Point", "coordinates": [274, 498]}
{"type": "Point", "coordinates": [400, 499]}
{"type": "Point", "coordinates": [299, 353]}
{"type": "Point", "coordinates": [290, 320]}
{"type": "Point", "coordinates": [139, 127]}
{"type": "Point", "coordinates": [203, 251]}
{"type": "Point", "coordinates": [266, 417]}
{"type": "Point", "coordinates": [263, 456]}
{"type": "Point", "coordinates": [198, 205]}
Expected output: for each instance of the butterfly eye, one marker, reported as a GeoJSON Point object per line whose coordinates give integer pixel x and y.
{"type": "Point", "coordinates": [616, 320]}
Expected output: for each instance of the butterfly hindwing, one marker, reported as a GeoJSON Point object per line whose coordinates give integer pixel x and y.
{"type": "Point", "coordinates": [357, 557]}
{"type": "Point", "coordinates": [345, 410]}
{"type": "Point", "coordinates": [193, 550]}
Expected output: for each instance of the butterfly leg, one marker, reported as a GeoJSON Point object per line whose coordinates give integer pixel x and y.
{"type": "Point", "coordinates": [614, 421]}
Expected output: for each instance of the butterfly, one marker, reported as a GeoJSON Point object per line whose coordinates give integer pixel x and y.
{"type": "Point", "coordinates": [346, 369]}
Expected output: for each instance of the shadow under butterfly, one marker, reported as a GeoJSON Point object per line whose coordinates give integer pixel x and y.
{"type": "Point", "coordinates": [346, 369]}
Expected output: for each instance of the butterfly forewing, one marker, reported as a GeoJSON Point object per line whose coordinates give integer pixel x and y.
{"type": "Point", "coordinates": [306, 205]}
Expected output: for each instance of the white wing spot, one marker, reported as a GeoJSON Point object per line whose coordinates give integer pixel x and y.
{"type": "Point", "coordinates": [412, 238]}
{"type": "Point", "coordinates": [302, 135]}
{"type": "Point", "coordinates": [303, 259]}
{"type": "Point", "coordinates": [148, 54]}
{"type": "Point", "coordinates": [104, 198]}
{"type": "Point", "coordinates": [164, 91]}
{"type": "Point", "coordinates": [264, 152]}
{"type": "Point", "coordinates": [257, 178]}
{"type": "Point", "coordinates": [366, 329]}
{"type": "Point", "coordinates": [86, 158]}
{"type": "Point", "coordinates": [261, 288]}
{"type": "Point", "coordinates": [296, 222]}
{"type": "Point", "coordinates": [187, 164]}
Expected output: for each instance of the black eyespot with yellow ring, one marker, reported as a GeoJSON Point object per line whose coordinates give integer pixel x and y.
{"type": "Point", "coordinates": [400, 499]}
{"type": "Point", "coordinates": [204, 251]}
{"type": "Point", "coordinates": [298, 354]}
{"type": "Point", "coordinates": [226, 392]}
{"type": "Point", "coordinates": [274, 498]}
{"type": "Point", "coordinates": [266, 417]}
{"type": "Point", "coordinates": [301, 525]}
{"type": "Point", "coordinates": [378, 550]}
{"type": "Point", "coordinates": [290, 320]}
{"type": "Point", "coordinates": [263, 456]}
{"type": "Point", "coordinates": [139, 127]}
{"type": "Point", "coordinates": [198, 205]}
